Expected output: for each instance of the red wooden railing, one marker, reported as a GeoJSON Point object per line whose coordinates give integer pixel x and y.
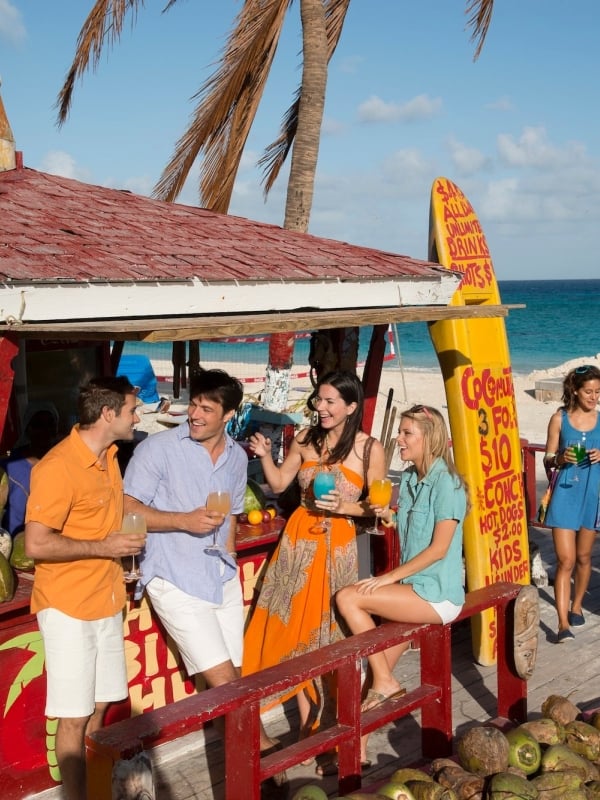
{"type": "Point", "coordinates": [239, 703]}
{"type": "Point", "coordinates": [531, 452]}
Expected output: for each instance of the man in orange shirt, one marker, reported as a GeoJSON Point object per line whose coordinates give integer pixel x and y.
{"type": "Point", "coordinates": [73, 518]}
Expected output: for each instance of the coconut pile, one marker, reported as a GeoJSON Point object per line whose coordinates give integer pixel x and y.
{"type": "Point", "coordinates": [555, 757]}
{"type": "Point", "coordinates": [12, 550]}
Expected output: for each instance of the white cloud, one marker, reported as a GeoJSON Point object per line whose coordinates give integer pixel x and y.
{"type": "Point", "coordinates": [532, 149]}
{"type": "Point", "coordinates": [57, 162]}
{"type": "Point", "coordinates": [557, 199]}
{"type": "Point", "coordinates": [141, 185]}
{"type": "Point", "coordinates": [350, 64]}
{"type": "Point", "coordinates": [407, 168]}
{"type": "Point", "coordinates": [248, 160]}
{"type": "Point", "coordinates": [11, 22]}
{"type": "Point", "coordinates": [467, 160]}
{"type": "Point", "coordinates": [420, 107]}
{"type": "Point", "coordinates": [549, 183]}
{"type": "Point", "coordinates": [332, 127]}
{"type": "Point", "coordinates": [501, 104]}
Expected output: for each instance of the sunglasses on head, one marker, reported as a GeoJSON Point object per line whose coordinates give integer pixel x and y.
{"type": "Point", "coordinates": [422, 410]}
{"type": "Point", "coordinates": [583, 369]}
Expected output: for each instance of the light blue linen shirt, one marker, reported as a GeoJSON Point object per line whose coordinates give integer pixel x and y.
{"type": "Point", "coordinates": [421, 504]}
{"type": "Point", "coordinates": [170, 471]}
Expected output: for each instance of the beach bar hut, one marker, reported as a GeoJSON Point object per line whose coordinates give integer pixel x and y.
{"type": "Point", "coordinates": [83, 268]}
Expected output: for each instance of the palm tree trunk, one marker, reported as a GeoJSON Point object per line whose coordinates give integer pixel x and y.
{"type": "Point", "coordinates": [310, 116]}
{"type": "Point", "coordinates": [301, 181]}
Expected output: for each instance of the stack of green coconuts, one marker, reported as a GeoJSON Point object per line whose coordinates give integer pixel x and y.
{"type": "Point", "coordinates": [555, 756]}
{"type": "Point", "coordinates": [12, 550]}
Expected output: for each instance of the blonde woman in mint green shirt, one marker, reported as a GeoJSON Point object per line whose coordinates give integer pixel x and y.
{"type": "Point", "coordinates": [427, 586]}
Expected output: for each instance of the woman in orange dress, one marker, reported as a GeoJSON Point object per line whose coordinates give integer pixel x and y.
{"type": "Point", "coordinates": [317, 553]}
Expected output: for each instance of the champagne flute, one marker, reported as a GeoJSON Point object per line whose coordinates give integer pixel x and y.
{"type": "Point", "coordinates": [221, 502]}
{"type": "Point", "coordinates": [323, 483]}
{"type": "Point", "coordinates": [380, 494]}
{"type": "Point", "coordinates": [133, 523]}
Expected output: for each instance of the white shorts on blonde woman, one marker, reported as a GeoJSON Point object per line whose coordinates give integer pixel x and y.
{"type": "Point", "coordinates": [85, 662]}
{"type": "Point", "coordinates": [447, 611]}
{"type": "Point", "coordinates": [206, 634]}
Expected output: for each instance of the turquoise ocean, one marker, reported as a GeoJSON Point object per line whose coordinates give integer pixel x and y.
{"type": "Point", "coordinates": [561, 321]}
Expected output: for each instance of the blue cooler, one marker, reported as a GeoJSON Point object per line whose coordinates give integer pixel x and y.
{"type": "Point", "coordinates": [140, 373]}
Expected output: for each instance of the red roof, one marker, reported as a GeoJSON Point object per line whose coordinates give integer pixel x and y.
{"type": "Point", "coordinates": [60, 230]}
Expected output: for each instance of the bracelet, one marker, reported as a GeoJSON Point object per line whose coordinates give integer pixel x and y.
{"type": "Point", "coordinates": [233, 554]}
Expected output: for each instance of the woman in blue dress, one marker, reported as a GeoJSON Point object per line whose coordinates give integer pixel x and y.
{"type": "Point", "coordinates": [573, 513]}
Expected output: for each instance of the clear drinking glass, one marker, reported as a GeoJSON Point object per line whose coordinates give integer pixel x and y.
{"type": "Point", "coordinates": [380, 494]}
{"type": "Point", "coordinates": [580, 453]}
{"type": "Point", "coordinates": [221, 502]}
{"type": "Point", "coordinates": [133, 523]}
{"type": "Point", "coordinates": [323, 483]}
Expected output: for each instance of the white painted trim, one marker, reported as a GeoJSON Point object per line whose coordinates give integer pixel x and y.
{"type": "Point", "coordinates": [55, 301]}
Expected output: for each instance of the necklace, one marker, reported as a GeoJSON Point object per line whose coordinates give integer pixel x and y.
{"type": "Point", "coordinates": [326, 443]}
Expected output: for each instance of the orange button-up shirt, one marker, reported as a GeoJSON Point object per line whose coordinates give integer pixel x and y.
{"type": "Point", "coordinates": [72, 493]}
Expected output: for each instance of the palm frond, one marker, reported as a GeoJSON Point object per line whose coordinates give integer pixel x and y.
{"type": "Point", "coordinates": [227, 106]}
{"type": "Point", "coordinates": [103, 25]}
{"type": "Point", "coordinates": [276, 153]}
{"type": "Point", "coordinates": [479, 20]}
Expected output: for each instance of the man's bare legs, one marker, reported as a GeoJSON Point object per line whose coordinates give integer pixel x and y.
{"type": "Point", "coordinates": [224, 673]}
{"type": "Point", "coordinates": [70, 750]}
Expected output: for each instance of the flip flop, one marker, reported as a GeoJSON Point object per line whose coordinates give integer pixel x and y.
{"type": "Point", "coordinates": [331, 768]}
{"type": "Point", "coordinates": [304, 734]}
{"type": "Point", "coordinates": [374, 699]}
{"type": "Point", "coordinates": [274, 747]}
{"type": "Point", "coordinates": [280, 779]}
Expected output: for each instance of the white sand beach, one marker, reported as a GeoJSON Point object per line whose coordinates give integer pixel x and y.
{"type": "Point", "coordinates": [410, 387]}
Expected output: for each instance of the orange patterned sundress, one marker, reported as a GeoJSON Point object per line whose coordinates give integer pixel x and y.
{"type": "Point", "coordinates": [294, 613]}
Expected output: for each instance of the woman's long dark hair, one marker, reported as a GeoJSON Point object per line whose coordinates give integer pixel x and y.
{"type": "Point", "coordinates": [350, 388]}
{"type": "Point", "coordinates": [574, 380]}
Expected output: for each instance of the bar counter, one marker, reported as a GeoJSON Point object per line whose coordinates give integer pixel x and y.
{"type": "Point", "coordinates": [156, 675]}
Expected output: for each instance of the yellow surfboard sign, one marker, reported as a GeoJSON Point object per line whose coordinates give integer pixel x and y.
{"type": "Point", "coordinates": [475, 363]}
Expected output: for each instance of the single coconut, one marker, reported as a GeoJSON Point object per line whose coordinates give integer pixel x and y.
{"type": "Point", "coordinates": [483, 750]}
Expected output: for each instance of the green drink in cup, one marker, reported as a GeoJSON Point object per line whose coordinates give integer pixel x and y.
{"type": "Point", "coordinates": [579, 451]}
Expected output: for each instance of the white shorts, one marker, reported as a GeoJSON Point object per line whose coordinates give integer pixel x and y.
{"type": "Point", "coordinates": [206, 634]}
{"type": "Point", "coordinates": [448, 611]}
{"type": "Point", "coordinates": [85, 662]}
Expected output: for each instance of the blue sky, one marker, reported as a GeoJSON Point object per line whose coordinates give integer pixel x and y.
{"type": "Point", "coordinates": [518, 130]}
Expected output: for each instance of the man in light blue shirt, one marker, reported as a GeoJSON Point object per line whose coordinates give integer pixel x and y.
{"type": "Point", "coordinates": [195, 590]}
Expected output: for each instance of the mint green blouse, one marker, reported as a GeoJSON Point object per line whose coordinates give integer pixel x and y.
{"type": "Point", "coordinates": [421, 504]}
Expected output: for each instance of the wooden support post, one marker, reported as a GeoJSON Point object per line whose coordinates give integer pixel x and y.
{"type": "Point", "coordinates": [115, 356]}
{"type": "Point", "coordinates": [436, 670]}
{"type": "Point", "coordinates": [530, 487]}
{"type": "Point", "coordinates": [372, 374]}
{"type": "Point", "coordinates": [178, 360]}
{"type": "Point", "coordinates": [242, 762]}
{"type": "Point", "coordinates": [512, 690]}
{"type": "Point", "coordinates": [8, 350]}
{"type": "Point", "coordinates": [194, 358]}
